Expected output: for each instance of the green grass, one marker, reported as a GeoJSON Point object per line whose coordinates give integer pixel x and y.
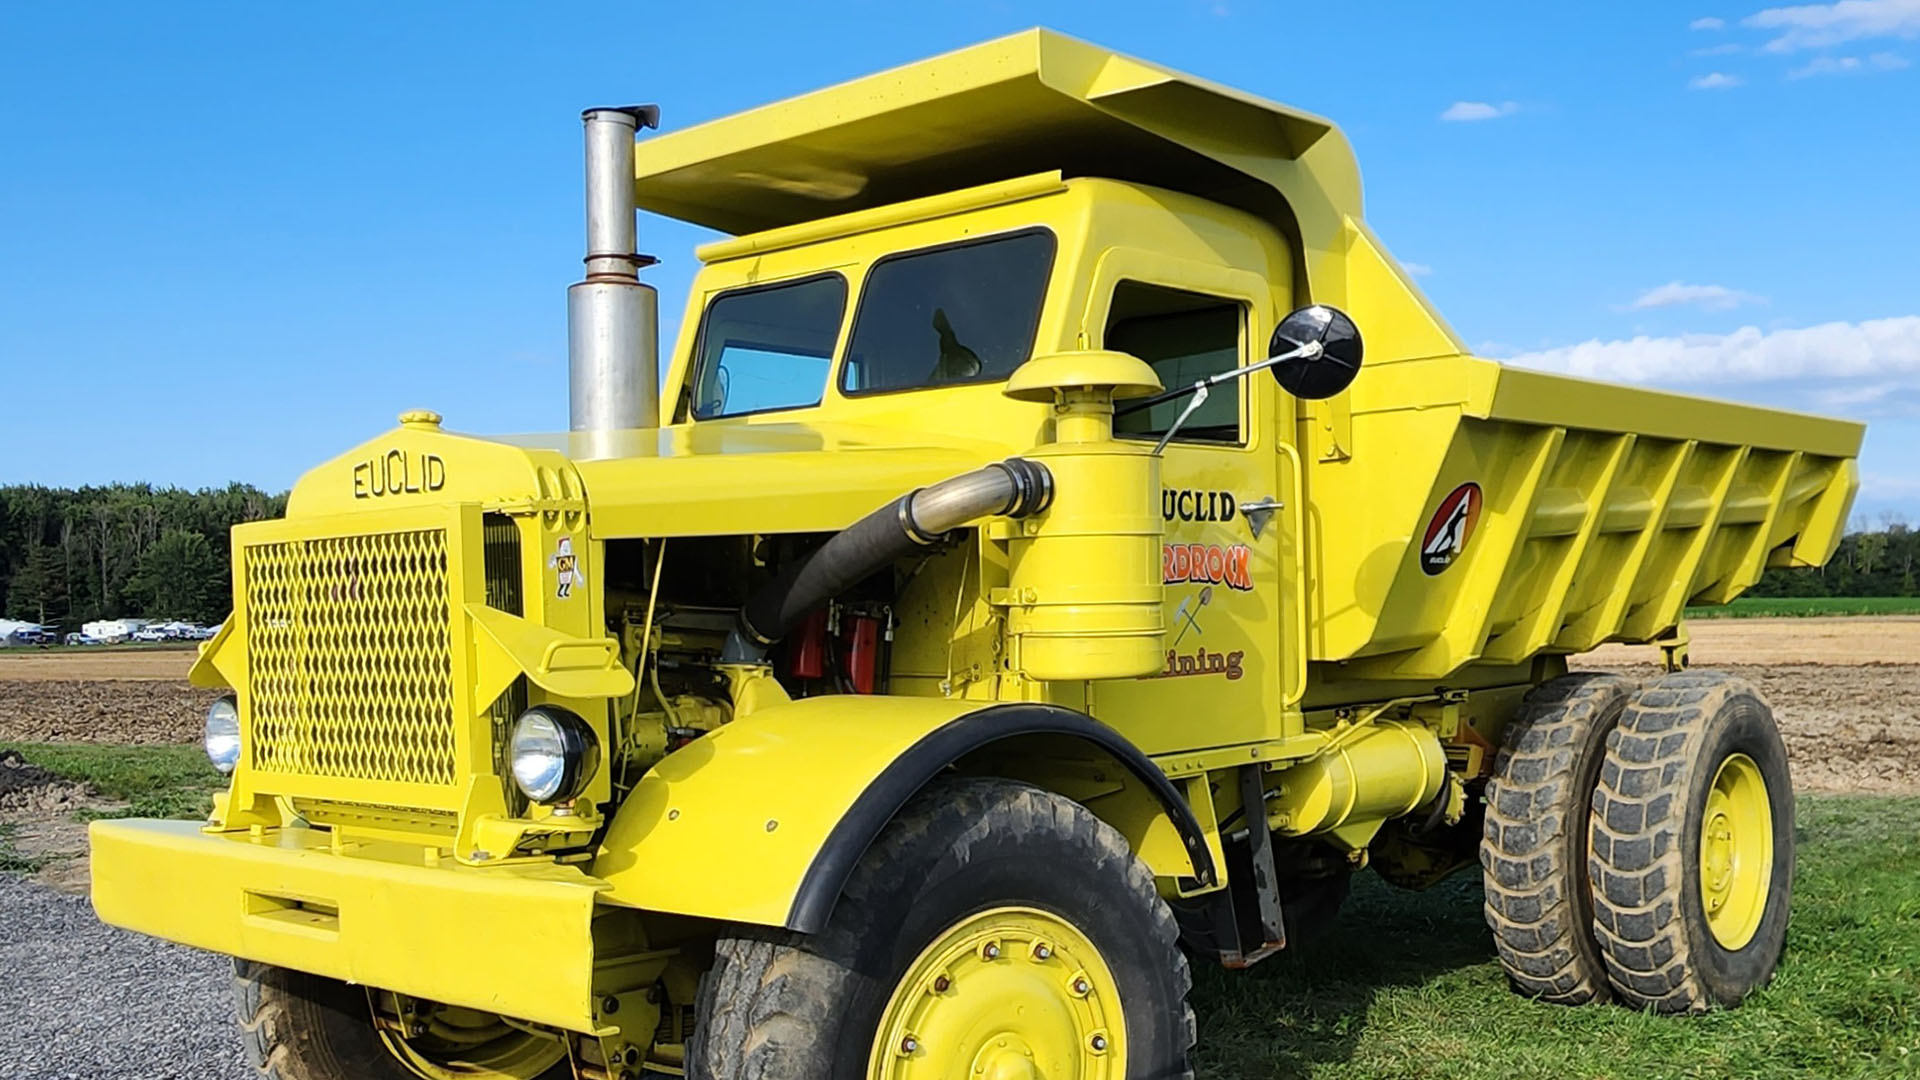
{"type": "Point", "coordinates": [1748, 607]}
{"type": "Point", "coordinates": [155, 781]}
{"type": "Point", "coordinates": [1406, 985]}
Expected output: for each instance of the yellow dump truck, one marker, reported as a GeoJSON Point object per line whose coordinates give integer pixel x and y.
{"type": "Point", "coordinates": [1020, 586]}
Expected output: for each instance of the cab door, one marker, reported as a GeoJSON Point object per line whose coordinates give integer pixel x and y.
{"type": "Point", "coordinates": [1225, 559]}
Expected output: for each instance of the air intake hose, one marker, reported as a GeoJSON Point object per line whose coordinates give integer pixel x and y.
{"type": "Point", "coordinates": [1015, 488]}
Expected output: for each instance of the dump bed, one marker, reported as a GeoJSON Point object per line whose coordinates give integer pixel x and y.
{"type": "Point", "coordinates": [1460, 511]}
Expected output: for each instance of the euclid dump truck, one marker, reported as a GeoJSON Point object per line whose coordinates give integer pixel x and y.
{"type": "Point", "coordinates": [1018, 588]}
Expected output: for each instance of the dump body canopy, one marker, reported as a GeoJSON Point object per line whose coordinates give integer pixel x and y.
{"type": "Point", "coordinates": [1037, 102]}
{"type": "Point", "coordinates": [1599, 511]}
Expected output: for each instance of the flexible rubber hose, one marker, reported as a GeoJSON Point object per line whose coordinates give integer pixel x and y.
{"type": "Point", "coordinates": [1013, 488]}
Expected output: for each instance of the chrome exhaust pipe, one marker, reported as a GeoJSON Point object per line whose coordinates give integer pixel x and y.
{"type": "Point", "coordinates": [613, 319]}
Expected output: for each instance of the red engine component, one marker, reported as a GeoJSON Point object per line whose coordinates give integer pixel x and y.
{"type": "Point", "coordinates": [861, 633]}
{"type": "Point", "coordinates": [807, 648]}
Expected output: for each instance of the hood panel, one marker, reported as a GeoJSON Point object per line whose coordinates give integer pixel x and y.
{"type": "Point", "coordinates": [725, 478]}
{"type": "Point", "coordinates": [415, 465]}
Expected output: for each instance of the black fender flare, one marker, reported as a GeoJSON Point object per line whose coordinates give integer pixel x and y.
{"type": "Point", "coordinates": [912, 770]}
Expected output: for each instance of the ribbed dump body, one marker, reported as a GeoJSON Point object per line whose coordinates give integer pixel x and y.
{"type": "Point", "coordinates": [1464, 512]}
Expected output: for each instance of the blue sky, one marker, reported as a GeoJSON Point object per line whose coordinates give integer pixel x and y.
{"type": "Point", "coordinates": [236, 239]}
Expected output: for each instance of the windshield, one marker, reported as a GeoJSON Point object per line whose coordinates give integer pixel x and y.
{"type": "Point", "coordinates": [955, 314]}
{"type": "Point", "coordinates": [768, 347]}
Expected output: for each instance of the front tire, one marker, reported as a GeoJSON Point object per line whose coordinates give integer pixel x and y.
{"type": "Point", "coordinates": [992, 928]}
{"type": "Point", "coordinates": [1692, 845]}
{"type": "Point", "coordinates": [298, 1026]}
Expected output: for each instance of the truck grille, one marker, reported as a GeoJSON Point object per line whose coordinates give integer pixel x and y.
{"type": "Point", "coordinates": [351, 670]}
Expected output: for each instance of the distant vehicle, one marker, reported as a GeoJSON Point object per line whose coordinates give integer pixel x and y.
{"type": "Point", "coordinates": [17, 634]}
{"type": "Point", "coordinates": [79, 638]}
{"type": "Point", "coordinates": [151, 633]}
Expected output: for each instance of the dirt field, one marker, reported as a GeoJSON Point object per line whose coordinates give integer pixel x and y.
{"type": "Point", "coordinates": [1846, 690]}
{"type": "Point", "coordinates": [159, 664]}
{"type": "Point", "coordinates": [1847, 641]}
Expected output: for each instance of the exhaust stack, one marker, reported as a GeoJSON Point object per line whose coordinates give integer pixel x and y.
{"type": "Point", "coordinates": [613, 320]}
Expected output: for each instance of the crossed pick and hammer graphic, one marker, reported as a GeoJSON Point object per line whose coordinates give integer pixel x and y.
{"type": "Point", "coordinates": [1188, 613]}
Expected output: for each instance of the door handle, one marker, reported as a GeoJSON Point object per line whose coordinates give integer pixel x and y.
{"type": "Point", "coordinates": [1259, 512]}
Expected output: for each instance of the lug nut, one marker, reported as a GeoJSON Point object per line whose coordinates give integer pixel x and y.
{"type": "Point", "coordinates": [1041, 952]}
{"type": "Point", "coordinates": [991, 952]}
{"type": "Point", "coordinates": [909, 1044]}
{"type": "Point", "coordinates": [1080, 987]}
{"type": "Point", "coordinates": [940, 984]}
{"type": "Point", "coordinates": [1099, 1043]}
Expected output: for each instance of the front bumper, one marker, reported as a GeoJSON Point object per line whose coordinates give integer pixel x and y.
{"type": "Point", "coordinates": [514, 939]}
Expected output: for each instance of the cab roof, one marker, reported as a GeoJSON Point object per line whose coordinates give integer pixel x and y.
{"type": "Point", "coordinates": [1032, 102]}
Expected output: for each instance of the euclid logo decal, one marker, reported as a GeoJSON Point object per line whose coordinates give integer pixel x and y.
{"type": "Point", "coordinates": [1452, 525]}
{"type": "Point", "coordinates": [1212, 564]}
{"type": "Point", "coordinates": [1182, 504]}
{"type": "Point", "coordinates": [396, 472]}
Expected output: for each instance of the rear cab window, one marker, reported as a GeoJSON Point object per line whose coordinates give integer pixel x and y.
{"type": "Point", "coordinates": [1184, 336]}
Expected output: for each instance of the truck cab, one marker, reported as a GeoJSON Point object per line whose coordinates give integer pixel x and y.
{"type": "Point", "coordinates": [884, 322]}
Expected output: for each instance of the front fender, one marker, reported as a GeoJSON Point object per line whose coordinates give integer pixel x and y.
{"type": "Point", "coordinates": [763, 820]}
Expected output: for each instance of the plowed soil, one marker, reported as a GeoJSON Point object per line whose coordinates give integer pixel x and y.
{"type": "Point", "coordinates": [139, 712]}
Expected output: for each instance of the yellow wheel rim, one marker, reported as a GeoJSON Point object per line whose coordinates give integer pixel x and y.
{"type": "Point", "coordinates": [445, 1042]}
{"type": "Point", "coordinates": [1736, 851]}
{"type": "Point", "coordinates": [1008, 994]}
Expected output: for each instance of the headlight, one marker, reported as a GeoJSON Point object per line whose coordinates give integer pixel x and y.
{"type": "Point", "coordinates": [553, 754]}
{"type": "Point", "coordinates": [223, 734]}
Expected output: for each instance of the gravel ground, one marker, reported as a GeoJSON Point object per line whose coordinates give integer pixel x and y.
{"type": "Point", "coordinates": [84, 1001]}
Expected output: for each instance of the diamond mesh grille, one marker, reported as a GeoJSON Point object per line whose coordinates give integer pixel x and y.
{"type": "Point", "coordinates": [349, 645]}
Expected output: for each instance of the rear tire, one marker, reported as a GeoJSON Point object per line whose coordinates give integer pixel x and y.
{"type": "Point", "coordinates": [298, 1026]}
{"type": "Point", "coordinates": [1533, 848]}
{"type": "Point", "coordinates": [885, 987]}
{"type": "Point", "coordinates": [1692, 845]}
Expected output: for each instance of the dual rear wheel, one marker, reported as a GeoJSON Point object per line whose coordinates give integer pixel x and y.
{"type": "Point", "coordinates": [1639, 842]}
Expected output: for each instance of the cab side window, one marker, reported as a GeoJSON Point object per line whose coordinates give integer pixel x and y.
{"type": "Point", "coordinates": [1183, 336]}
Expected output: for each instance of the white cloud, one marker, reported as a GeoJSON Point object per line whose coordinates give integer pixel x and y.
{"type": "Point", "coordinates": [1716, 81]}
{"type": "Point", "coordinates": [1416, 269]}
{"type": "Point", "coordinates": [1710, 297]}
{"type": "Point", "coordinates": [1707, 22]}
{"type": "Point", "coordinates": [1464, 111]}
{"type": "Point", "coordinates": [1849, 65]}
{"type": "Point", "coordinates": [1725, 48]}
{"type": "Point", "coordinates": [1813, 26]}
{"type": "Point", "coordinates": [1882, 486]}
{"type": "Point", "coordinates": [1887, 350]}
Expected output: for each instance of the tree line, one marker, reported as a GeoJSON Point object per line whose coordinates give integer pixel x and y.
{"type": "Point", "coordinates": [1869, 562]}
{"type": "Point", "coordinates": [72, 555]}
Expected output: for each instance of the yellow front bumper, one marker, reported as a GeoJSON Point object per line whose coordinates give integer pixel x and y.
{"type": "Point", "coordinates": [515, 940]}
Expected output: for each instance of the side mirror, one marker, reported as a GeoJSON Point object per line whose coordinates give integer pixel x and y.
{"type": "Point", "coordinates": [1328, 370]}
